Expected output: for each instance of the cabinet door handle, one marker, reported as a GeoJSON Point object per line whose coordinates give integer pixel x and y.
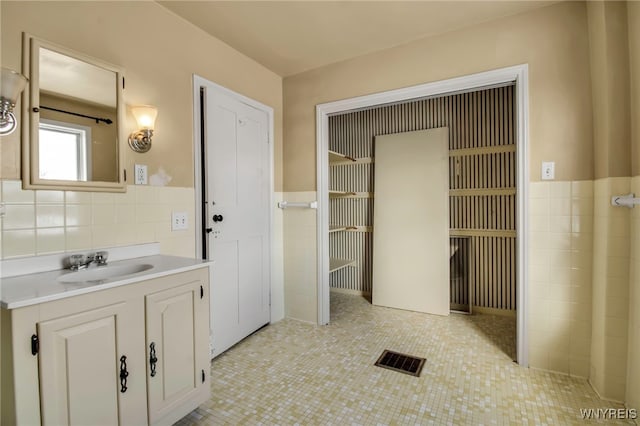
{"type": "Point", "coordinates": [35, 345]}
{"type": "Point", "coordinates": [152, 358]}
{"type": "Point", "coordinates": [123, 374]}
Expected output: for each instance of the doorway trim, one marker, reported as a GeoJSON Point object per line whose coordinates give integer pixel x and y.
{"type": "Point", "coordinates": [518, 74]}
{"type": "Point", "coordinates": [201, 82]}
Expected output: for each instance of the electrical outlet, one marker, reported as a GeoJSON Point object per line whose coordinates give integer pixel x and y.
{"type": "Point", "coordinates": [179, 221]}
{"type": "Point", "coordinates": [141, 174]}
{"type": "Point", "coordinates": [548, 170]}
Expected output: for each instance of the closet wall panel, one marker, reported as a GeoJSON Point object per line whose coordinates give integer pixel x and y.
{"type": "Point", "coordinates": [482, 182]}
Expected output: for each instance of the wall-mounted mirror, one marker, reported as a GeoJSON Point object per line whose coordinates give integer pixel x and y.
{"type": "Point", "coordinates": [73, 136]}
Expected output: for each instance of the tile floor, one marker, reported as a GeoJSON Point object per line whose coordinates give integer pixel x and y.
{"type": "Point", "coordinates": [296, 373]}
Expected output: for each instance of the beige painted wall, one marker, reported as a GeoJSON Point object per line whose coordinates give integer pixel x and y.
{"type": "Point", "coordinates": [633, 16]}
{"type": "Point", "coordinates": [552, 40]}
{"type": "Point", "coordinates": [159, 52]}
{"type": "Point", "coordinates": [608, 40]}
{"type": "Point", "coordinates": [633, 356]}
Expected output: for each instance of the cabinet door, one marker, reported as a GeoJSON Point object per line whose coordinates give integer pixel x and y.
{"type": "Point", "coordinates": [178, 328]}
{"type": "Point", "coordinates": [80, 365]}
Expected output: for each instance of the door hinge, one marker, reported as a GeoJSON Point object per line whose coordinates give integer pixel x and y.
{"type": "Point", "coordinates": [203, 376]}
{"type": "Point", "coordinates": [35, 344]}
{"type": "Point", "coordinates": [201, 292]}
{"type": "Point", "coordinates": [122, 83]}
{"type": "Point", "coordinates": [125, 175]}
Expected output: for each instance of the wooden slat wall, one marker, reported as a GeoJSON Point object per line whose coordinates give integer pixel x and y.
{"type": "Point", "coordinates": [460, 276]}
{"type": "Point", "coordinates": [482, 179]}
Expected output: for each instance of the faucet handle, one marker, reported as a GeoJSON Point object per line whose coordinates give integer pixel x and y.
{"type": "Point", "coordinates": [76, 260]}
{"type": "Point", "coordinates": [101, 258]}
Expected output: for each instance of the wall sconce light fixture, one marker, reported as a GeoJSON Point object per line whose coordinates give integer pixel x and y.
{"type": "Point", "coordinates": [11, 85]}
{"type": "Point", "coordinates": [140, 141]}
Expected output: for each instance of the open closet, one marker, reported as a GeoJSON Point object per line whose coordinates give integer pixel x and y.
{"type": "Point", "coordinates": [482, 193]}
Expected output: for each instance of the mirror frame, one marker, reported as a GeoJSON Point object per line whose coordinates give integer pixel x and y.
{"type": "Point", "coordinates": [31, 118]}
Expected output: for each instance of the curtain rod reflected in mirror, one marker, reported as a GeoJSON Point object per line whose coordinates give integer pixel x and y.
{"type": "Point", "coordinates": [97, 119]}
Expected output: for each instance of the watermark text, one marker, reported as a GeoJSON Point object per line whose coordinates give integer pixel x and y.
{"type": "Point", "coordinates": [608, 413]}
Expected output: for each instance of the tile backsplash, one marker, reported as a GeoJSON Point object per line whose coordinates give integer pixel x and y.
{"type": "Point", "coordinates": [560, 275]}
{"type": "Point", "coordinates": [45, 222]}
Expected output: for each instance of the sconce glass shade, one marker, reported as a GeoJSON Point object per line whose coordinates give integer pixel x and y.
{"type": "Point", "coordinates": [145, 115]}
{"type": "Point", "coordinates": [11, 85]}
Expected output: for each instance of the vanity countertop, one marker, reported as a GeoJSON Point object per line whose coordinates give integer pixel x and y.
{"type": "Point", "coordinates": [30, 289]}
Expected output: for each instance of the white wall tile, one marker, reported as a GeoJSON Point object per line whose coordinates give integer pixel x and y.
{"type": "Point", "coordinates": [19, 216]}
{"type": "Point", "coordinates": [538, 190]}
{"type": "Point", "coordinates": [78, 215]}
{"type": "Point", "coordinates": [582, 189]}
{"type": "Point", "coordinates": [102, 198]}
{"type": "Point", "coordinates": [125, 213]}
{"type": "Point", "coordinates": [77, 197]}
{"type": "Point", "coordinates": [49, 215]}
{"type": "Point", "coordinates": [103, 236]}
{"type": "Point", "coordinates": [55, 197]}
{"type": "Point", "coordinates": [560, 189]}
{"type": "Point", "coordinates": [12, 192]}
{"type": "Point", "coordinates": [19, 243]}
{"type": "Point", "coordinates": [560, 224]}
{"type": "Point", "coordinates": [103, 214]}
{"type": "Point", "coordinates": [50, 240]}
{"type": "Point", "coordinates": [91, 220]}
{"type": "Point", "coordinates": [78, 238]}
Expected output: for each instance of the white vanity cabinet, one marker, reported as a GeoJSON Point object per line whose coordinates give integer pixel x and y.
{"type": "Point", "coordinates": [94, 363]}
{"type": "Point", "coordinates": [177, 344]}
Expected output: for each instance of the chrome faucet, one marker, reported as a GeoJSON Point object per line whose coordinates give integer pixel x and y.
{"type": "Point", "coordinates": [81, 261]}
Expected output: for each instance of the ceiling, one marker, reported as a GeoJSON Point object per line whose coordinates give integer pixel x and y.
{"type": "Point", "coordinates": [290, 37]}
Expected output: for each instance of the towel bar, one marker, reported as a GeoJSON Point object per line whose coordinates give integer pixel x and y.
{"type": "Point", "coordinates": [306, 205]}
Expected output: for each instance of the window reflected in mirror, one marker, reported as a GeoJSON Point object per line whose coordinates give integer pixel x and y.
{"type": "Point", "coordinates": [65, 149]}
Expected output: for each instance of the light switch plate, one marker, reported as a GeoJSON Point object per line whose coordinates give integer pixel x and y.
{"type": "Point", "coordinates": [141, 174]}
{"type": "Point", "coordinates": [179, 221]}
{"type": "Point", "coordinates": [548, 170]}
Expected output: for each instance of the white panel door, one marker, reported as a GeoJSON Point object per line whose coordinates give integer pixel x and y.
{"type": "Point", "coordinates": [411, 221]}
{"type": "Point", "coordinates": [237, 197]}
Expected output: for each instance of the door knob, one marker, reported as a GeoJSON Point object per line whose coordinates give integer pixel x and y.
{"type": "Point", "coordinates": [217, 218]}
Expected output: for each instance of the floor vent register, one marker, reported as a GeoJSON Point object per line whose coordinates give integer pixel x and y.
{"type": "Point", "coordinates": [401, 363]}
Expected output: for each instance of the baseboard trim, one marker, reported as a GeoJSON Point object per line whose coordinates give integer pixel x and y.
{"type": "Point", "coordinates": [493, 311]}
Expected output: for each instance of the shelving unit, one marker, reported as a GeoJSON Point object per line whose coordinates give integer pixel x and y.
{"type": "Point", "coordinates": [336, 157]}
{"type": "Point", "coordinates": [339, 159]}
{"type": "Point", "coordinates": [333, 193]}
{"type": "Point", "coordinates": [337, 264]}
{"type": "Point", "coordinates": [338, 228]}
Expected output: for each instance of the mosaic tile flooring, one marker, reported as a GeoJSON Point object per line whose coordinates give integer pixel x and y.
{"type": "Point", "coordinates": [296, 373]}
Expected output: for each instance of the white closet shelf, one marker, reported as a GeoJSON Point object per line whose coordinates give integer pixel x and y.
{"type": "Point", "coordinates": [333, 193]}
{"type": "Point", "coordinates": [335, 157]}
{"type": "Point", "coordinates": [336, 264]}
{"type": "Point", "coordinates": [338, 228]}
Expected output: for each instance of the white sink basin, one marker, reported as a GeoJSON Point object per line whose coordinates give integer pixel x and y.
{"type": "Point", "coordinates": [99, 274]}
